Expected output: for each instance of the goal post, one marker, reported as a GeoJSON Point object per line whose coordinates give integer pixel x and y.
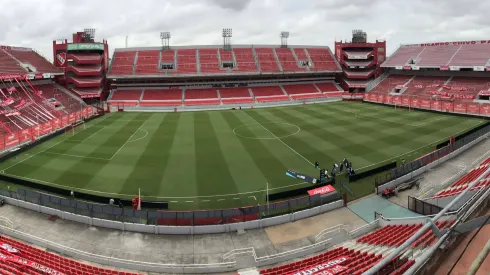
{"type": "Point", "coordinates": [71, 129]}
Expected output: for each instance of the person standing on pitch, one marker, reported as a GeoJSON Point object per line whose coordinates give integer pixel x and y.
{"type": "Point", "coordinates": [317, 165]}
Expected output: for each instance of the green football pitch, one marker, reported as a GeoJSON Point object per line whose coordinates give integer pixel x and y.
{"type": "Point", "coordinates": [222, 159]}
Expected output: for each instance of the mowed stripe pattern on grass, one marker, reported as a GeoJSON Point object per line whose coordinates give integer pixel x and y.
{"type": "Point", "coordinates": [224, 159]}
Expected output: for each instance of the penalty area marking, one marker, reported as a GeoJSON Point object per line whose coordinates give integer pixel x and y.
{"type": "Point", "coordinates": [146, 134]}
{"type": "Point", "coordinates": [260, 138]}
{"type": "Point", "coordinates": [127, 141]}
{"type": "Point", "coordinates": [75, 156]}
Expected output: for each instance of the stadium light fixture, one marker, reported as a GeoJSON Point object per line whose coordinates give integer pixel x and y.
{"type": "Point", "coordinates": [227, 34]}
{"type": "Point", "coordinates": [89, 33]}
{"type": "Point", "coordinates": [284, 39]}
{"type": "Point", "coordinates": [165, 36]}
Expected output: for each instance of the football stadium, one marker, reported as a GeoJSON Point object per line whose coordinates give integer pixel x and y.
{"type": "Point", "coordinates": [245, 159]}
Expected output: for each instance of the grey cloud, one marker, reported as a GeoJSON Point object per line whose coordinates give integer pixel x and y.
{"type": "Point", "coordinates": [236, 5]}
{"type": "Point", "coordinates": [315, 22]}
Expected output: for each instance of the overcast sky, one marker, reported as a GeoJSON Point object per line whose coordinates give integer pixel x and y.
{"type": "Point", "coordinates": [35, 23]}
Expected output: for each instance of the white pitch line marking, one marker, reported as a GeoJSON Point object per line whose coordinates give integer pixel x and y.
{"type": "Point", "coordinates": [75, 156]}
{"type": "Point", "coordinates": [415, 150]}
{"type": "Point", "coordinates": [128, 139]}
{"type": "Point", "coordinates": [236, 198]}
{"type": "Point", "coordinates": [279, 139]}
{"type": "Point", "coordinates": [55, 144]}
{"type": "Point", "coordinates": [189, 201]}
{"type": "Point", "coordinates": [154, 197]}
{"type": "Point", "coordinates": [146, 134]}
{"type": "Point", "coordinates": [174, 201]}
{"type": "Point", "coordinates": [92, 134]}
{"type": "Point", "coordinates": [205, 200]}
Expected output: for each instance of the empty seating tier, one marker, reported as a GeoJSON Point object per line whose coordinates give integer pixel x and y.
{"type": "Point", "coordinates": [322, 60]}
{"type": "Point", "coordinates": [267, 60]}
{"type": "Point", "coordinates": [245, 61]}
{"type": "Point", "coordinates": [37, 63]}
{"type": "Point", "coordinates": [200, 93]}
{"type": "Point", "coordinates": [287, 60]}
{"type": "Point", "coordinates": [392, 81]}
{"type": "Point", "coordinates": [395, 235]}
{"type": "Point", "coordinates": [162, 94]}
{"type": "Point", "coordinates": [267, 91]}
{"type": "Point", "coordinates": [186, 61]}
{"type": "Point", "coordinates": [327, 87]}
{"type": "Point", "coordinates": [202, 102]}
{"type": "Point", "coordinates": [8, 65]}
{"type": "Point", "coordinates": [234, 92]}
{"type": "Point", "coordinates": [43, 260]}
{"type": "Point", "coordinates": [462, 183]}
{"type": "Point", "coordinates": [208, 59]}
{"type": "Point", "coordinates": [300, 89]}
{"type": "Point", "coordinates": [147, 62]}
{"type": "Point", "coordinates": [126, 95]}
{"type": "Point", "coordinates": [301, 54]}
{"type": "Point", "coordinates": [122, 63]}
{"type": "Point", "coordinates": [272, 98]}
{"type": "Point", "coordinates": [341, 261]}
{"type": "Point", "coordinates": [168, 56]}
{"type": "Point", "coordinates": [459, 54]}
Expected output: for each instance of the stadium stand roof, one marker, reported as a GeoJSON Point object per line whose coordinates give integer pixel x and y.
{"type": "Point", "coordinates": [213, 60]}
{"type": "Point", "coordinates": [19, 60]}
{"type": "Point", "coordinates": [444, 55]}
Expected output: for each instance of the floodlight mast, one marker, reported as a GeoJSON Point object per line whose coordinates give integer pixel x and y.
{"type": "Point", "coordinates": [227, 34]}
{"type": "Point", "coordinates": [89, 33]}
{"type": "Point", "coordinates": [165, 36]}
{"type": "Point", "coordinates": [284, 39]}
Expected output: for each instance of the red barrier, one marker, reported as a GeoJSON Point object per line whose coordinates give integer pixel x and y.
{"type": "Point", "coordinates": [16, 138]}
{"type": "Point", "coordinates": [422, 102]}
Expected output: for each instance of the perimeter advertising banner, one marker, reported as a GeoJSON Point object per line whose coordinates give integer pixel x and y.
{"type": "Point", "coordinates": [425, 104]}
{"type": "Point", "coordinates": [473, 108]}
{"type": "Point", "coordinates": [321, 190]}
{"type": "Point", "coordinates": [415, 103]}
{"type": "Point", "coordinates": [447, 106]}
{"type": "Point", "coordinates": [11, 140]}
{"type": "Point", "coordinates": [388, 99]}
{"type": "Point", "coordinates": [327, 268]}
{"type": "Point", "coordinates": [485, 109]}
{"type": "Point", "coordinates": [397, 100]}
{"type": "Point", "coordinates": [460, 108]}
{"type": "Point", "coordinates": [65, 120]}
{"type": "Point", "coordinates": [405, 101]}
{"type": "Point", "coordinates": [435, 105]}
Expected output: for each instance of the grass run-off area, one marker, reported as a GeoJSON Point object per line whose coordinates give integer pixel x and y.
{"type": "Point", "coordinates": [222, 159]}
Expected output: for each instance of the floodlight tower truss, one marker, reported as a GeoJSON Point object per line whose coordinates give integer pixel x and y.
{"type": "Point", "coordinates": [284, 39]}
{"type": "Point", "coordinates": [165, 36]}
{"type": "Point", "coordinates": [227, 34]}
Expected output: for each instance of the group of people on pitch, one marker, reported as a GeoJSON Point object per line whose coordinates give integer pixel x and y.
{"type": "Point", "coordinates": [336, 167]}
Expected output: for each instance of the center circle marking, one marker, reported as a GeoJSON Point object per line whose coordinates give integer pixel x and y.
{"type": "Point", "coordinates": [298, 129]}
